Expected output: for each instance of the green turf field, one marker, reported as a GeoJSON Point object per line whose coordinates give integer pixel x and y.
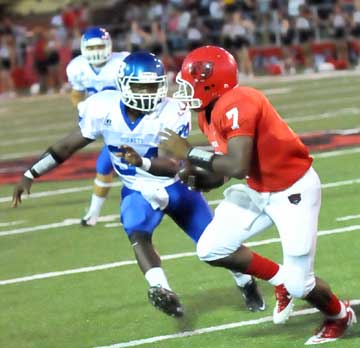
{"type": "Point", "coordinates": [64, 286]}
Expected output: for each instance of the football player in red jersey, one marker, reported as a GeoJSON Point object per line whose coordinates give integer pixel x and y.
{"type": "Point", "coordinates": [252, 142]}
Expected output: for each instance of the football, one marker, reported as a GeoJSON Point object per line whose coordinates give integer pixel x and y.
{"type": "Point", "coordinates": [200, 179]}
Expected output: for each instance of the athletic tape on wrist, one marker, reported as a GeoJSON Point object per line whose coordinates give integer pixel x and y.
{"type": "Point", "coordinates": [29, 175]}
{"type": "Point", "coordinates": [48, 161]}
{"type": "Point", "coordinates": [146, 164]}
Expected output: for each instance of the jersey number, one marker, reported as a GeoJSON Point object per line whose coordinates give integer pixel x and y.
{"type": "Point", "coordinates": [234, 115]}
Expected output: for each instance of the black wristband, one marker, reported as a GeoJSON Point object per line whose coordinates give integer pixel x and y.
{"type": "Point", "coordinates": [34, 173]}
{"type": "Point", "coordinates": [201, 158]}
{"type": "Point", "coordinates": [56, 157]}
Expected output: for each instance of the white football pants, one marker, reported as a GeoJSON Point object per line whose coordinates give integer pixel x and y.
{"type": "Point", "coordinates": [245, 212]}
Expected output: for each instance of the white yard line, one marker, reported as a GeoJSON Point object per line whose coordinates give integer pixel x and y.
{"type": "Point", "coordinates": [11, 223]}
{"type": "Point", "coordinates": [330, 114]}
{"type": "Point", "coordinates": [280, 90]}
{"type": "Point", "coordinates": [166, 257]}
{"type": "Point", "coordinates": [347, 112]}
{"type": "Point", "coordinates": [302, 77]}
{"type": "Point", "coordinates": [348, 217]}
{"type": "Point", "coordinates": [57, 192]}
{"type": "Point", "coordinates": [210, 329]}
{"type": "Point", "coordinates": [305, 106]}
{"type": "Point", "coordinates": [54, 126]}
{"type": "Point", "coordinates": [20, 140]}
{"type": "Point", "coordinates": [336, 153]}
{"type": "Point", "coordinates": [9, 156]}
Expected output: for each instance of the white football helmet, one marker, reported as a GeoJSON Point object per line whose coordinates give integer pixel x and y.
{"type": "Point", "coordinates": [96, 45]}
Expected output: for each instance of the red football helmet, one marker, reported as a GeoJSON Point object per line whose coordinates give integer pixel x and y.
{"type": "Point", "coordinates": [206, 73]}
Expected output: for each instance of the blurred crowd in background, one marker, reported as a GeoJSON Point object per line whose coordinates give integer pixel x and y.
{"type": "Point", "coordinates": [265, 36]}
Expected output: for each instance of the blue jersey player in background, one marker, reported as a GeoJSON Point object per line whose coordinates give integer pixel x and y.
{"type": "Point", "coordinates": [94, 71]}
{"type": "Point", "coordinates": [129, 121]}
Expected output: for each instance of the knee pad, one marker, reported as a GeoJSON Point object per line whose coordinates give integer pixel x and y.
{"type": "Point", "coordinates": [202, 250]}
{"type": "Point", "coordinates": [299, 279]}
{"type": "Point", "coordinates": [211, 248]}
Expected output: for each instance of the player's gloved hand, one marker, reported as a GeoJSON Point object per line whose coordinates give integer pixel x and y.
{"type": "Point", "coordinates": [130, 155]}
{"type": "Point", "coordinates": [23, 185]}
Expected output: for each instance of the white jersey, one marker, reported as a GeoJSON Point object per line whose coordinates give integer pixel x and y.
{"type": "Point", "coordinates": [85, 78]}
{"type": "Point", "coordinates": [104, 115]}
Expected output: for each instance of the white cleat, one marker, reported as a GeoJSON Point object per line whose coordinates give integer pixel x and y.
{"type": "Point", "coordinates": [284, 305]}
{"type": "Point", "coordinates": [88, 221]}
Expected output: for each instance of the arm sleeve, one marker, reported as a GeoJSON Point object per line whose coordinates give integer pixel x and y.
{"type": "Point", "coordinates": [73, 78]}
{"type": "Point", "coordinates": [90, 119]}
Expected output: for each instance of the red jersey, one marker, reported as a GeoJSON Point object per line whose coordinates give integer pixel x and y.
{"type": "Point", "coordinates": [279, 158]}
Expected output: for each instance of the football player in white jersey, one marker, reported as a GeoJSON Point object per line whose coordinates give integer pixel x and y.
{"type": "Point", "coordinates": [91, 72]}
{"type": "Point", "coordinates": [129, 121]}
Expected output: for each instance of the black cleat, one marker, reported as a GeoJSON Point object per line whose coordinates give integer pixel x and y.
{"type": "Point", "coordinates": [166, 301]}
{"type": "Point", "coordinates": [252, 296]}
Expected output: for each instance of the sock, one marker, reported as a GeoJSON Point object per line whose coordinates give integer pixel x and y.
{"type": "Point", "coordinates": [334, 309]}
{"type": "Point", "coordinates": [95, 206]}
{"type": "Point", "coordinates": [156, 276]}
{"type": "Point", "coordinates": [241, 279]}
{"type": "Point", "coordinates": [261, 267]}
{"type": "Point", "coordinates": [278, 278]}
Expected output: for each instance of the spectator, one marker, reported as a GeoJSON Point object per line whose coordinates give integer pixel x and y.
{"type": "Point", "coordinates": [137, 37]}
{"type": "Point", "coordinates": [216, 9]}
{"type": "Point", "coordinates": [7, 62]}
{"type": "Point", "coordinates": [40, 58]}
{"type": "Point", "coordinates": [287, 35]}
{"type": "Point", "coordinates": [156, 42]}
{"type": "Point", "coordinates": [83, 15]}
{"type": "Point", "coordinates": [156, 10]}
{"type": "Point", "coordinates": [75, 42]}
{"type": "Point", "coordinates": [237, 35]}
{"type": "Point", "coordinates": [53, 45]}
{"type": "Point", "coordinates": [194, 34]}
{"type": "Point", "coordinates": [305, 35]}
{"type": "Point", "coordinates": [355, 31]}
{"type": "Point", "coordinates": [340, 23]}
{"type": "Point", "coordinates": [175, 25]}
{"type": "Point", "coordinates": [69, 18]}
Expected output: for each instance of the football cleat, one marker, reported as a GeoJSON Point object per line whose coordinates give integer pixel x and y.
{"type": "Point", "coordinates": [284, 305]}
{"type": "Point", "coordinates": [332, 329]}
{"type": "Point", "coordinates": [166, 301]}
{"type": "Point", "coordinates": [252, 296]}
{"type": "Point", "coordinates": [88, 221]}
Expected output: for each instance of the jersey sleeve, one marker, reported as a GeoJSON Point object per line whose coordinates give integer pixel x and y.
{"type": "Point", "coordinates": [72, 72]}
{"type": "Point", "coordinates": [90, 119]}
{"type": "Point", "coordinates": [237, 119]}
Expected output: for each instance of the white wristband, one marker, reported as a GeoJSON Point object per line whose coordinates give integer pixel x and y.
{"type": "Point", "coordinates": [146, 164]}
{"type": "Point", "coordinates": [29, 175]}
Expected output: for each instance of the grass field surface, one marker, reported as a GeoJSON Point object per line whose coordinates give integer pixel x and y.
{"type": "Point", "coordinates": [65, 286]}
